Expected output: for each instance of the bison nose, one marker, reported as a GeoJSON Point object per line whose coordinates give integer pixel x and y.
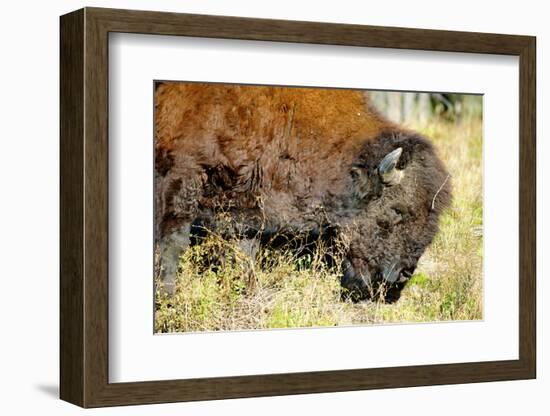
{"type": "Point", "coordinates": [391, 271]}
{"type": "Point", "coordinates": [356, 285]}
{"type": "Point", "coordinates": [349, 278]}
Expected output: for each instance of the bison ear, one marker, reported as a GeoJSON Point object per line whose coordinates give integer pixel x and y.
{"type": "Point", "coordinates": [387, 169]}
{"type": "Point", "coordinates": [360, 179]}
{"type": "Point", "coordinates": [356, 172]}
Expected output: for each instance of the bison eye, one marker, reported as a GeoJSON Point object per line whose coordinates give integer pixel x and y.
{"type": "Point", "coordinates": [387, 169]}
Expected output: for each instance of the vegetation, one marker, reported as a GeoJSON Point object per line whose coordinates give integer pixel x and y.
{"type": "Point", "coordinates": [219, 286]}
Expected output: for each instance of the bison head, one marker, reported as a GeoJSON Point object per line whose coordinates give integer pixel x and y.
{"type": "Point", "coordinates": [399, 187]}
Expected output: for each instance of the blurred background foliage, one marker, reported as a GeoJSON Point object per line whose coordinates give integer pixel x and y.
{"type": "Point", "coordinates": [422, 107]}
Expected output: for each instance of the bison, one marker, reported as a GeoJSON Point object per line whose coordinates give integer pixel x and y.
{"type": "Point", "coordinates": [288, 161]}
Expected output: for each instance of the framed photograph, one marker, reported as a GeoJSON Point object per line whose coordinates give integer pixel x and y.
{"type": "Point", "coordinates": [255, 207]}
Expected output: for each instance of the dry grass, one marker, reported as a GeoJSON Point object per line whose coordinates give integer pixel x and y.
{"type": "Point", "coordinates": [279, 291]}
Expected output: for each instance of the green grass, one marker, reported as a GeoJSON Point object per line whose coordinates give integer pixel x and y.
{"type": "Point", "coordinates": [277, 291]}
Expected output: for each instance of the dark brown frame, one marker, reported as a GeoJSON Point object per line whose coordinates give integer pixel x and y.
{"type": "Point", "coordinates": [84, 209]}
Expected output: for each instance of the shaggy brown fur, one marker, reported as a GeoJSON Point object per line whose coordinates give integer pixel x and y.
{"type": "Point", "coordinates": [295, 161]}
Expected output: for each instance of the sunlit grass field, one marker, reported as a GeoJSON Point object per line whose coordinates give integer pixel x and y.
{"type": "Point", "coordinates": [279, 291]}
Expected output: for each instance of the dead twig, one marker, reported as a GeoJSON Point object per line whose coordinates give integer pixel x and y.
{"type": "Point", "coordinates": [439, 190]}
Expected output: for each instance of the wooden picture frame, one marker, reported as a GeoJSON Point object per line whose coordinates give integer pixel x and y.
{"type": "Point", "coordinates": [84, 207]}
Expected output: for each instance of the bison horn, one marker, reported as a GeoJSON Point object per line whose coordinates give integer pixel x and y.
{"type": "Point", "coordinates": [387, 168]}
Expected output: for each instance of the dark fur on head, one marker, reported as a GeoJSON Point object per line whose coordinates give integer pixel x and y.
{"type": "Point", "coordinates": [398, 221]}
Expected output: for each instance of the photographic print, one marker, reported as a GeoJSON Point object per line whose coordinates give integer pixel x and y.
{"type": "Point", "coordinates": [286, 219]}
{"type": "Point", "coordinates": [294, 207]}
